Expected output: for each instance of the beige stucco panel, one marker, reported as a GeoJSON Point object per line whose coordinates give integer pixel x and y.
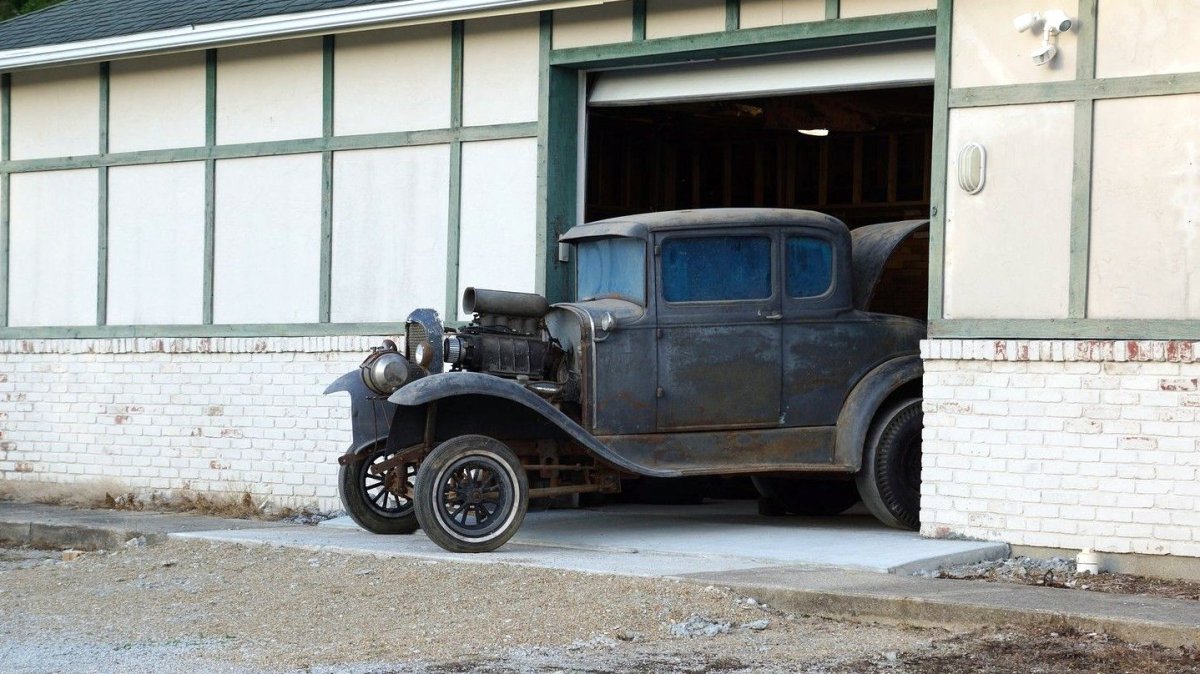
{"type": "Point", "coordinates": [1008, 247]}
{"type": "Point", "coordinates": [53, 231]}
{"type": "Point", "coordinates": [390, 212]}
{"type": "Point", "coordinates": [269, 91]}
{"type": "Point", "coordinates": [55, 112]}
{"type": "Point", "coordinates": [500, 70]}
{"type": "Point", "coordinates": [1145, 242]}
{"type": "Point", "coordinates": [392, 80]}
{"type": "Point", "coordinates": [156, 244]}
{"type": "Point", "coordinates": [267, 262]}
{"type": "Point", "coordinates": [157, 103]}
{"type": "Point", "coordinates": [669, 18]}
{"type": "Point", "coordinates": [850, 8]}
{"type": "Point", "coordinates": [759, 13]}
{"type": "Point", "coordinates": [608, 23]}
{"type": "Point", "coordinates": [1147, 37]}
{"type": "Point", "coordinates": [987, 50]}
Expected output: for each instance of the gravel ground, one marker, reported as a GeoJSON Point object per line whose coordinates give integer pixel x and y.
{"type": "Point", "coordinates": [1060, 572]}
{"type": "Point", "coordinates": [197, 606]}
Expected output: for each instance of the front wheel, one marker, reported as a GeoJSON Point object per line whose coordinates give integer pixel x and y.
{"type": "Point", "coordinates": [378, 500]}
{"type": "Point", "coordinates": [471, 494]}
{"type": "Point", "coordinates": [890, 479]}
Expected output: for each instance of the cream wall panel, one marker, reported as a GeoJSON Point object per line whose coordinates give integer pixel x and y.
{"type": "Point", "coordinates": [1147, 37]}
{"type": "Point", "coordinates": [269, 91]}
{"type": "Point", "coordinates": [988, 51]}
{"type": "Point", "coordinates": [156, 244]}
{"type": "Point", "coordinates": [1008, 247]}
{"type": "Point", "coordinates": [498, 227]}
{"type": "Point", "coordinates": [500, 70]}
{"type": "Point", "coordinates": [53, 232]}
{"type": "Point", "coordinates": [268, 236]}
{"type": "Point", "coordinates": [56, 112]}
{"type": "Point", "coordinates": [392, 80]}
{"type": "Point", "coordinates": [390, 210]}
{"type": "Point", "coordinates": [852, 8]}
{"type": "Point", "coordinates": [157, 103]}
{"type": "Point", "coordinates": [669, 18]}
{"type": "Point", "coordinates": [1145, 243]}
{"type": "Point", "coordinates": [597, 24]}
{"type": "Point", "coordinates": [759, 13]}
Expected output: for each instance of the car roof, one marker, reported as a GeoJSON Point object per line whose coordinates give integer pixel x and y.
{"type": "Point", "coordinates": [643, 224]}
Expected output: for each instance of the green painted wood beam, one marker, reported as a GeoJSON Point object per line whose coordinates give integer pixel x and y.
{"type": "Point", "coordinates": [5, 189]}
{"type": "Point", "coordinates": [210, 185]}
{"type": "Point", "coordinates": [102, 203]}
{"type": "Point", "coordinates": [639, 20]}
{"type": "Point", "coordinates": [1064, 328]}
{"type": "Point", "coordinates": [281, 147]}
{"type": "Point", "coordinates": [1076, 90]}
{"type": "Point", "coordinates": [939, 161]}
{"type": "Point", "coordinates": [325, 291]}
{"type": "Point", "coordinates": [752, 41]}
{"type": "Point", "coordinates": [170, 331]}
{"type": "Point", "coordinates": [543, 235]}
{"type": "Point", "coordinates": [833, 9]}
{"type": "Point", "coordinates": [1081, 178]}
{"type": "Point", "coordinates": [454, 207]}
{"type": "Point", "coordinates": [733, 14]}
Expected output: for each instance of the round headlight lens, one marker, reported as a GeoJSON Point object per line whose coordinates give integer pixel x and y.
{"type": "Point", "coordinates": [423, 354]}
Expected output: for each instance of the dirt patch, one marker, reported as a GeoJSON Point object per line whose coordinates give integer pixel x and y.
{"type": "Point", "coordinates": [1060, 572]}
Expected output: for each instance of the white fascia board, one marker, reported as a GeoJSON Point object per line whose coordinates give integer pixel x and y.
{"type": "Point", "coordinates": [270, 28]}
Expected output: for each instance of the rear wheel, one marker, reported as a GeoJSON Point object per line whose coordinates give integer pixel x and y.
{"type": "Point", "coordinates": [379, 501]}
{"type": "Point", "coordinates": [800, 496]}
{"type": "Point", "coordinates": [890, 479]}
{"type": "Point", "coordinates": [471, 494]}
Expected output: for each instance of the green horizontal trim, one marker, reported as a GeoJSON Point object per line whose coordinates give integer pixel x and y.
{"type": "Point", "coordinates": [1076, 90]}
{"type": "Point", "coordinates": [280, 147]}
{"type": "Point", "coordinates": [752, 41]}
{"type": "Point", "coordinates": [1064, 328]}
{"type": "Point", "coordinates": [169, 331]}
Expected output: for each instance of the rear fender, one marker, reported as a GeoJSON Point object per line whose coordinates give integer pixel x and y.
{"type": "Point", "coordinates": [471, 402]}
{"type": "Point", "coordinates": [864, 401]}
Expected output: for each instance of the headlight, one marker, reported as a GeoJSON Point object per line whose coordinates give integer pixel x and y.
{"type": "Point", "coordinates": [385, 370]}
{"type": "Point", "coordinates": [423, 353]}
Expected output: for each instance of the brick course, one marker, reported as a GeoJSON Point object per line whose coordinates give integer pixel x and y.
{"type": "Point", "coordinates": [1063, 443]}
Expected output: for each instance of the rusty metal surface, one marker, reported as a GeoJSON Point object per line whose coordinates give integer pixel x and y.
{"type": "Point", "coordinates": [729, 452]}
{"type": "Point", "coordinates": [854, 421]}
{"type": "Point", "coordinates": [370, 415]}
{"type": "Point", "coordinates": [872, 246]}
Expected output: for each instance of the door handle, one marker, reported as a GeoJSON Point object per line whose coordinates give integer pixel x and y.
{"type": "Point", "coordinates": [771, 317]}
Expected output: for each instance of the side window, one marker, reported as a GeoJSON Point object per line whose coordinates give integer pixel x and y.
{"type": "Point", "coordinates": [809, 266]}
{"type": "Point", "coordinates": [715, 268]}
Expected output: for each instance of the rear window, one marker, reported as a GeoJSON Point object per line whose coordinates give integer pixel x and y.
{"type": "Point", "coordinates": [716, 268]}
{"type": "Point", "coordinates": [809, 266]}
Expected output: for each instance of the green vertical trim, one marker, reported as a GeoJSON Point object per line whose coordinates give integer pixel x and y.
{"type": "Point", "coordinates": [5, 153]}
{"type": "Point", "coordinates": [559, 211]}
{"type": "Point", "coordinates": [210, 184]}
{"type": "Point", "coordinates": [102, 204]}
{"type": "Point", "coordinates": [454, 208]}
{"type": "Point", "coordinates": [733, 14]}
{"type": "Point", "coordinates": [325, 292]}
{"type": "Point", "coordinates": [544, 237]}
{"type": "Point", "coordinates": [833, 9]}
{"type": "Point", "coordinates": [639, 20]}
{"type": "Point", "coordinates": [940, 157]}
{"type": "Point", "coordinates": [1081, 179]}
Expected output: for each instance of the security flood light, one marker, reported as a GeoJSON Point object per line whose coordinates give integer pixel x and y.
{"type": "Point", "coordinates": [1053, 22]}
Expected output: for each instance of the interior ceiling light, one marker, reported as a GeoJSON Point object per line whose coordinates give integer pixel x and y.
{"type": "Point", "coordinates": [814, 132]}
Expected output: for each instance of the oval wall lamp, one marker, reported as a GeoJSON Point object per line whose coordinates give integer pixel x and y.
{"type": "Point", "coordinates": [972, 168]}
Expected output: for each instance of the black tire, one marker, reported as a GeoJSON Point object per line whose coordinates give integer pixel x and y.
{"type": "Point", "coordinates": [370, 502]}
{"type": "Point", "coordinates": [800, 496]}
{"type": "Point", "coordinates": [471, 494]}
{"type": "Point", "coordinates": [890, 479]}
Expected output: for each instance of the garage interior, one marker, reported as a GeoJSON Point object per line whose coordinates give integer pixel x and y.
{"type": "Point", "coordinates": [863, 156]}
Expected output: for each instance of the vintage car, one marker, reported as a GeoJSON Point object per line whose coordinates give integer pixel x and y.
{"type": "Point", "coordinates": [706, 342]}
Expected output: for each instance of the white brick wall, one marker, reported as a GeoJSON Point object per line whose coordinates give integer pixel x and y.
{"type": "Point", "coordinates": [211, 415]}
{"type": "Point", "coordinates": [1066, 444]}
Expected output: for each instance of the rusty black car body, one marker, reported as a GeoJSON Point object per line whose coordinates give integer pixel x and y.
{"type": "Point", "coordinates": [708, 342]}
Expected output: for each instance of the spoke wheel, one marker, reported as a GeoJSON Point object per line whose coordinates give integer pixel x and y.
{"type": "Point", "coordinates": [379, 500]}
{"type": "Point", "coordinates": [471, 494]}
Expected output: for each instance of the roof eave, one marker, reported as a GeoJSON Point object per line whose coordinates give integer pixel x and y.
{"type": "Point", "coordinates": [269, 28]}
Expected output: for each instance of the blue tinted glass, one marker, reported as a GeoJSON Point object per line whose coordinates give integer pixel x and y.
{"type": "Point", "coordinates": [809, 266]}
{"type": "Point", "coordinates": [612, 268]}
{"type": "Point", "coordinates": [716, 268]}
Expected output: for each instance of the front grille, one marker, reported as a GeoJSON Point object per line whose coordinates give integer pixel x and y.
{"type": "Point", "coordinates": [414, 334]}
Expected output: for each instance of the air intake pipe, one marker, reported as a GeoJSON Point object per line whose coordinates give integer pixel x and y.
{"type": "Point", "coordinates": [504, 303]}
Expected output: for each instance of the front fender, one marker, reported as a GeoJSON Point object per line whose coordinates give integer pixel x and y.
{"type": "Point", "coordinates": [864, 400]}
{"type": "Point", "coordinates": [456, 384]}
{"type": "Point", "coordinates": [370, 415]}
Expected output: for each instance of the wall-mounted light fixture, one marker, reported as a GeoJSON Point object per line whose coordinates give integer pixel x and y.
{"type": "Point", "coordinates": [814, 132]}
{"type": "Point", "coordinates": [1052, 22]}
{"type": "Point", "coordinates": [972, 168]}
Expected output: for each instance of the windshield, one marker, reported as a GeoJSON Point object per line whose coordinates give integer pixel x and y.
{"type": "Point", "coordinates": [612, 268]}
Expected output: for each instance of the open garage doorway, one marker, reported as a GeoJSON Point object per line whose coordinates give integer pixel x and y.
{"type": "Point", "coordinates": [862, 156]}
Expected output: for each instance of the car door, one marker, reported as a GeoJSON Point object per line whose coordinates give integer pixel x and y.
{"type": "Point", "coordinates": [718, 335]}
